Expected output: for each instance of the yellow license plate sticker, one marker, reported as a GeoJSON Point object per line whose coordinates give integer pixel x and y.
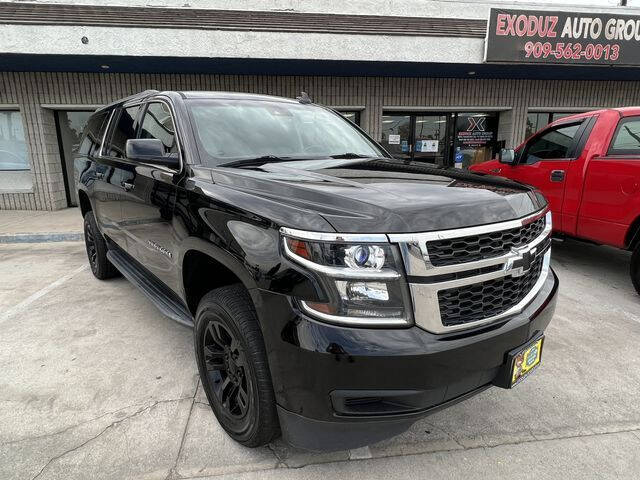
{"type": "Point", "coordinates": [526, 360]}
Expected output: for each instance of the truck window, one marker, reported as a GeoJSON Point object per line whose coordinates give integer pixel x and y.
{"type": "Point", "coordinates": [123, 131]}
{"type": "Point", "coordinates": [554, 143]}
{"type": "Point", "coordinates": [93, 134]}
{"type": "Point", "coordinates": [157, 123]}
{"type": "Point", "coordinates": [626, 140]}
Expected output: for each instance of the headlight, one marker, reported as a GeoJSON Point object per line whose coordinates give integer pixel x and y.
{"type": "Point", "coordinates": [362, 277]}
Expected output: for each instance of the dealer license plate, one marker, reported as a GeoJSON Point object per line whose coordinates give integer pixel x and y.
{"type": "Point", "coordinates": [526, 360]}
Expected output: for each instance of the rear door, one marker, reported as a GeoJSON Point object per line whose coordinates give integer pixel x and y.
{"type": "Point", "coordinates": [611, 192]}
{"type": "Point", "coordinates": [151, 194]}
{"type": "Point", "coordinates": [545, 163]}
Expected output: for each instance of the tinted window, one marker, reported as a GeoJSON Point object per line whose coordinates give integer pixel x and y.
{"type": "Point", "coordinates": [535, 121]}
{"type": "Point", "coordinates": [157, 123]}
{"type": "Point", "coordinates": [232, 130]}
{"type": "Point", "coordinates": [92, 136]}
{"type": "Point", "coordinates": [553, 144]}
{"type": "Point", "coordinates": [123, 131]}
{"type": "Point", "coordinates": [626, 140]}
{"type": "Point", "coordinates": [13, 149]}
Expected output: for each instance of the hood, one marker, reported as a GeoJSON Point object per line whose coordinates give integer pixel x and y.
{"type": "Point", "coordinates": [380, 196]}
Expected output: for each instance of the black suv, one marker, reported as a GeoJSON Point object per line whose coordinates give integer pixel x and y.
{"type": "Point", "coordinates": [337, 294]}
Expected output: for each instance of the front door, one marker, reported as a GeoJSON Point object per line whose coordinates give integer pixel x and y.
{"type": "Point", "coordinates": [115, 174]}
{"type": "Point", "coordinates": [421, 137]}
{"type": "Point", "coordinates": [545, 164]}
{"type": "Point", "coordinates": [151, 195]}
{"type": "Point", "coordinates": [430, 139]}
{"type": "Point", "coordinates": [442, 139]}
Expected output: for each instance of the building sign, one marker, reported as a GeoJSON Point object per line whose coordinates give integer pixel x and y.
{"type": "Point", "coordinates": [473, 132]}
{"type": "Point", "coordinates": [562, 37]}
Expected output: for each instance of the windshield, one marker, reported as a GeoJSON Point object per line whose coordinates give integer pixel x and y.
{"type": "Point", "coordinates": [231, 130]}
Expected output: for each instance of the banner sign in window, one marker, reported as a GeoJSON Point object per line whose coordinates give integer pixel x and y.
{"type": "Point", "coordinates": [562, 37]}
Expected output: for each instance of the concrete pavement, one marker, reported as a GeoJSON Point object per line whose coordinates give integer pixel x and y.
{"type": "Point", "coordinates": [96, 383]}
{"type": "Point", "coordinates": [29, 226]}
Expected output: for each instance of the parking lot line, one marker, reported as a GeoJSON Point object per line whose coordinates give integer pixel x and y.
{"type": "Point", "coordinates": [40, 293]}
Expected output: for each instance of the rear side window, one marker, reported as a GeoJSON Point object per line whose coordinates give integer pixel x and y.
{"type": "Point", "coordinates": [157, 123]}
{"type": "Point", "coordinates": [93, 133]}
{"type": "Point", "coordinates": [555, 143]}
{"type": "Point", "coordinates": [626, 140]}
{"type": "Point", "coordinates": [124, 129]}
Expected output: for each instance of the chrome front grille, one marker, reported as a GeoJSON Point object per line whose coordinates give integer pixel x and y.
{"type": "Point", "coordinates": [485, 245]}
{"type": "Point", "coordinates": [478, 301]}
{"type": "Point", "coordinates": [475, 276]}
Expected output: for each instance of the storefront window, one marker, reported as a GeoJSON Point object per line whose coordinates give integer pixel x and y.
{"type": "Point", "coordinates": [474, 138]}
{"type": "Point", "coordinates": [443, 139]}
{"type": "Point", "coordinates": [13, 148]}
{"type": "Point", "coordinates": [535, 121]}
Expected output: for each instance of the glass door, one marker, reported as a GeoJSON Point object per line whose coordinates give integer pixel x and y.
{"type": "Point", "coordinates": [70, 124]}
{"type": "Point", "coordinates": [397, 135]}
{"type": "Point", "coordinates": [429, 139]}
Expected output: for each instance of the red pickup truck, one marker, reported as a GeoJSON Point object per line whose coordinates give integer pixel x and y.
{"type": "Point", "coordinates": [588, 167]}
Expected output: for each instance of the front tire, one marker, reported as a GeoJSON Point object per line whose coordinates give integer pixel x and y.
{"type": "Point", "coordinates": [635, 268]}
{"type": "Point", "coordinates": [97, 248]}
{"type": "Point", "coordinates": [233, 366]}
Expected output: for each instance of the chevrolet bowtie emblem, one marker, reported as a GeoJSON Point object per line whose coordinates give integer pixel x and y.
{"type": "Point", "coordinates": [521, 264]}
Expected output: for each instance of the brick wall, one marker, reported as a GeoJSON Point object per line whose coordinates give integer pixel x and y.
{"type": "Point", "coordinates": [33, 90]}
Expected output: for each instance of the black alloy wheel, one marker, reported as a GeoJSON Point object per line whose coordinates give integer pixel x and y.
{"type": "Point", "coordinates": [97, 249]}
{"type": "Point", "coordinates": [226, 365]}
{"type": "Point", "coordinates": [90, 243]}
{"type": "Point", "coordinates": [233, 366]}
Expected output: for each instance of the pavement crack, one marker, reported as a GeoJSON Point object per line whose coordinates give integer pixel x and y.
{"type": "Point", "coordinates": [85, 422]}
{"type": "Point", "coordinates": [449, 435]}
{"type": "Point", "coordinates": [98, 435]}
{"type": "Point", "coordinates": [281, 461]}
{"type": "Point", "coordinates": [173, 471]}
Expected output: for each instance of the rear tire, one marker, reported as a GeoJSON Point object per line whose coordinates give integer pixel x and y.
{"type": "Point", "coordinates": [97, 249]}
{"type": "Point", "coordinates": [233, 366]}
{"type": "Point", "coordinates": [635, 268]}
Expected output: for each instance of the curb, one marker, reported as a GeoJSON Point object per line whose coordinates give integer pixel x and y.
{"type": "Point", "coordinates": [41, 237]}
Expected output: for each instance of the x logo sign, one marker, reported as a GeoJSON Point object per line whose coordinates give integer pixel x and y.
{"type": "Point", "coordinates": [476, 123]}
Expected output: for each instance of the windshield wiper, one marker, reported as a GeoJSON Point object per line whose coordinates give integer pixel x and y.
{"type": "Point", "coordinates": [351, 155]}
{"type": "Point", "coordinates": [252, 162]}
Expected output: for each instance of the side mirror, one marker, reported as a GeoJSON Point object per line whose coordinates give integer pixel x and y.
{"type": "Point", "coordinates": [150, 150]}
{"type": "Point", "coordinates": [507, 156]}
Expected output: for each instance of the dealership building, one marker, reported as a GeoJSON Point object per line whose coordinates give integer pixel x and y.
{"type": "Point", "coordinates": [443, 82]}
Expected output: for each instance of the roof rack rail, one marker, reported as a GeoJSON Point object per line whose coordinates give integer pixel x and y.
{"type": "Point", "coordinates": [135, 96]}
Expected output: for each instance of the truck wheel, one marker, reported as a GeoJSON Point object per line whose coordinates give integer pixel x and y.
{"type": "Point", "coordinates": [233, 366]}
{"type": "Point", "coordinates": [635, 268]}
{"type": "Point", "coordinates": [97, 249]}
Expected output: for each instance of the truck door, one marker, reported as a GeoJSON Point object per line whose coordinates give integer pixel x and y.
{"type": "Point", "coordinates": [545, 162]}
{"type": "Point", "coordinates": [151, 192]}
{"type": "Point", "coordinates": [112, 174]}
{"type": "Point", "coordinates": [611, 192]}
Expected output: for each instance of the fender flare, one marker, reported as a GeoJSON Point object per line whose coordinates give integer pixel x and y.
{"type": "Point", "coordinates": [219, 255]}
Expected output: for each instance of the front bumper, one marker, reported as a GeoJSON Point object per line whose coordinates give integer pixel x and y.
{"type": "Point", "coordinates": [339, 388]}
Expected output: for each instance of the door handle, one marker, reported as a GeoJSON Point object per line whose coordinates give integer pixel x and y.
{"type": "Point", "coordinates": [495, 170]}
{"type": "Point", "coordinates": [557, 175]}
{"type": "Point", "coordinates": [99, 175]}
{"type": "Point", "coordinates": [127, 186]}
